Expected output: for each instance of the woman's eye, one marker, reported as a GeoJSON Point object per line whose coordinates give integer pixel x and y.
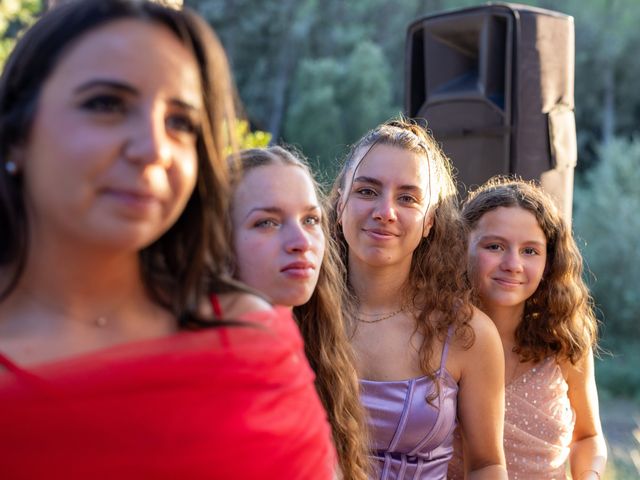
{"type": "Point", "coordinates": [181, 123]}
{"type": "Point", "coordinates": [312, 220]}
{"type": "Point", "coordinates": [494, 247]}
{"type": "Point", "coordinates": [365, 192]}
{"type": "Point", "coordinates": [407, 199]}
{"type": "Point", "coordinates": [105, 104]}
{"type": "Point", "coordinates": [267, 223]}
{"type": "Point", "coordinates": [530, 251]}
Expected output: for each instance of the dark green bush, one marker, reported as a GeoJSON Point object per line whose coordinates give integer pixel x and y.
{"type": "Point", "coordinates": [607, 227]}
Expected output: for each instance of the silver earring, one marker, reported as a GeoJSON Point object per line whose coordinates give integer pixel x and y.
{"type": "Point", "coordinates": [11, 168]}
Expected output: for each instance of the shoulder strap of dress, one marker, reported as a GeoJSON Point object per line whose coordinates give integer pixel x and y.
{"type": "Point", "coordinates": [9, 365]}
{"type": "Point", "coordinates": [215, 305]}
{"type": "Point", "coordinates": [445, 349]}
{"type": "Point", "coordinates": [25, 377]}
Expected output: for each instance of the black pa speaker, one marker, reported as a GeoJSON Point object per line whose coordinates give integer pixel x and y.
{"type": "Point", "coordinates": [495, 86]}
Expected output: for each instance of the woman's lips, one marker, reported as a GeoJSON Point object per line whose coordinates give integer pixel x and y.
{"type": "Point", "coordinates": [135, 201]}
{"type": "Point", "coordinates": [380, 234]}
{"type": "Point", "coordinates": [299, 269]}
{"type": "Point", "coordinates": [508, 282]}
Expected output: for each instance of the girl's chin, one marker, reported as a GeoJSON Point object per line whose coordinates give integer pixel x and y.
{"type": "Point", "coordinates": [292, 300]}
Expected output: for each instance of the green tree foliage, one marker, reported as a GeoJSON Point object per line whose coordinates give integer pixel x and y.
{"type": "Point", "coordinates": [278, 48]}
{"type": "Point", "coordinates": [365, 90]}
{"type": "Point", "coordinates": [14, 16]}
{"type": "Point", "coordinates": [264, 41]}
{"type": "Point", "coordinates": [607, 221]}
{"type": "Point", "coordinates": [313, 121]}
{"type": "Point", "coordinates": [335, 104]}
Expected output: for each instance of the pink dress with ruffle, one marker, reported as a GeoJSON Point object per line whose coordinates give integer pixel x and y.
{"type": "Point", "coordinates": [538, 426]}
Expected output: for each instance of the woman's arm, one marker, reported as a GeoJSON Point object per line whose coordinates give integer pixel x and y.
{"type": "Point", "coordinates": [481, 402]}
{"type": "Point", "coordinates": [588, 449]}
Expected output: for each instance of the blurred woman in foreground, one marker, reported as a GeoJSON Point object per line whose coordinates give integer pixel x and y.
{"type": "Point", "coordinates": [112, 261]}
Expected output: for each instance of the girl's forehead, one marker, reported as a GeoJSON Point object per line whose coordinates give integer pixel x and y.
{"type": "Point", "coordinates": [393, 164]}
{"type": "Point", "coordinates": [514, 221]}
{"type": "Point", "coordinates": [276, 181]}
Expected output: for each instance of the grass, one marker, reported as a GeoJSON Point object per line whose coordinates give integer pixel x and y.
{"type": "Point", "coordinates": [618, 379]}
{"type": "Point", "coordinates": [620, 419]}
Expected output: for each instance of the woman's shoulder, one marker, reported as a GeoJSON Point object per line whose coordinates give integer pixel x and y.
{"type": "Point", "coordinates": [478, 331]}
{"type": "Point", "coordinates": [482, 325]}
{"type": "Point", "coordinates": [255, 321]}
{"type": "Point", "coordinates": [579, 372]}
{"type": "Point", "coordinates": [239, 304]}
{"type": "Point", "coordinates": [480, 340]}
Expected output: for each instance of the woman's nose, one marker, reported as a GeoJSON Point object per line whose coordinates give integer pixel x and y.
{"type": "Point", "coordinates": [149, 141]}
{"type": "Point", "coordinates": [297, 240]}
{"type": "Point", "coordinates": [385, 210]}
{"type": "Point", "coordinates": [512, 262]}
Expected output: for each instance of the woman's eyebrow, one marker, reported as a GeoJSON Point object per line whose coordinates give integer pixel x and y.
{"type": "Point", "coordinates": [378, 183]}
{"type": "Point", "coordinates": [103, 82]}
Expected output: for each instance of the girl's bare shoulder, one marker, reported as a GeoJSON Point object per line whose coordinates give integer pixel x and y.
{"type": "Point", "coordinates": [480, 332]}
{"type": "Point", "coordinates": [237, 304]}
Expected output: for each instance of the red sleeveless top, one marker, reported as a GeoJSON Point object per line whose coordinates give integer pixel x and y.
{"type": "Point", "coordinates": [221, 403]}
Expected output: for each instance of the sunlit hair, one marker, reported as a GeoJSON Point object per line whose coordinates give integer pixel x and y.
{"type": "Point", "coordinates": [188, 260]}
{"type": "Point", "coordinates": [436, 286]}
{"type": "Point", "coordinates": [322, 326]}
{"type": "Point", "coordinates": [558, 318]}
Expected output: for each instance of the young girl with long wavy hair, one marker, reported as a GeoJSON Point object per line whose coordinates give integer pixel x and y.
{"type": "Point", "coordinates": [527, 273]}
{"type": "Point", "coordinates": [425, 356]}
{"type": "Point", "coordinates": [282, 248]}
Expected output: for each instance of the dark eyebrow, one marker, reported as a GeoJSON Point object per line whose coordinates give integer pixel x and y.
{"type": "Point", "coordinates": [487, 238]}
{"type": "Point", "coordinates": [371, 180]}
{"type": "Point", "coordinates": [378, 183]}
{"type": "Point", "coordinates": [114, 84]}
{"type": "Point", "coordinates": [126, 88]}
{"type": "Point", "coordinates": [278, 210]}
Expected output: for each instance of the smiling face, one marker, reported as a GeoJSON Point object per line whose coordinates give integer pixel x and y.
{"type": "Point", "coordinates": [278, 238]}
{"type": "Point", "coordinates": [111, 158]}
{"type": "Point", "coordinates": [507, 255]}
{"type": "Point", "coordinates": [385, 204]}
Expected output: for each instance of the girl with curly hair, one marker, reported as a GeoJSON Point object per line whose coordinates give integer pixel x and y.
{"type": "Point", "coordinates": [527, 273]}
{"type": "Point", "coordinates": [425, 356]}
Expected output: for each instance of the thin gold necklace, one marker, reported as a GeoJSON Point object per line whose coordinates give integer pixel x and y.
{"type": "Point", "coordinates": [379, 319]}
{"type": "Point", "coordinates": [100, 321]}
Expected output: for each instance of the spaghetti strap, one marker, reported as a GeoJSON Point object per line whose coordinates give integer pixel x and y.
{"type": "Point", "coordinates": [9, 365]}
{"type": "Point", "coordinates": [26, 378]}
{"type": "Point", "coordinates": [215, 304]}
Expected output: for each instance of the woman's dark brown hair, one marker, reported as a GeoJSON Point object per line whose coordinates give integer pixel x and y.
{"type": "Point", "coordinates": [188, 260]}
